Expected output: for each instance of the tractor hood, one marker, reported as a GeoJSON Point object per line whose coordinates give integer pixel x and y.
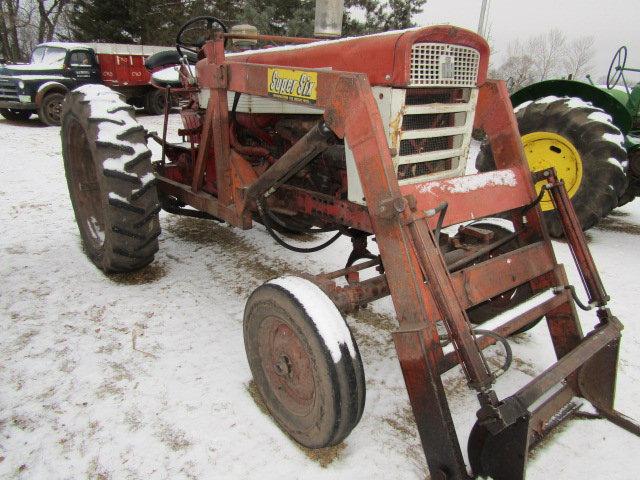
{"type": "Point", "coordinates": [385, 57]}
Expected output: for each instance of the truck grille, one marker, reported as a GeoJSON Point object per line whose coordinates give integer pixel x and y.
{"type": "Point", "coordinates": [8, 90]}
{"type": "Point", "coordinates": [439, 65]}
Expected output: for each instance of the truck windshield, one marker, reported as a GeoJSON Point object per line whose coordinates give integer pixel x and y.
{"type": "Point", "coordinates": [49, 56]}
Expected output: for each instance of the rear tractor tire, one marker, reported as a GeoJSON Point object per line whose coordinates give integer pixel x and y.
{"type": "Point", "coordinates": [304, 361]}
{"type": "Point", "coordinates": [584, 146]}
{"type": "Point", "coordinates": [110, 178]}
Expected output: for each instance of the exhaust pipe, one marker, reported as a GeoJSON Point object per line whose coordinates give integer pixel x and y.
{"type": "Point", "coordinates": [328, 22]}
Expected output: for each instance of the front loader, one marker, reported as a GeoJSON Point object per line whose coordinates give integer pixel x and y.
{"type": "Point", "coordinates": [365, 137]}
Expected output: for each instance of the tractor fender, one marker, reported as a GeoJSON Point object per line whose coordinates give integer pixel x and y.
{"type": "Point", "coordinates": [600, 98]}
{"type": "Point", "coordinates": [48, 87]}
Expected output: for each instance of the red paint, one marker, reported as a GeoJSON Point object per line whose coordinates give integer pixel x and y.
{"type": "Point", "coordinates": [123, 70]}
{"type": "Point", "coordinates": [385, 58]}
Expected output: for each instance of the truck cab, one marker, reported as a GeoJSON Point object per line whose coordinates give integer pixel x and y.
{"type": "Point", "coordinates": [56, 68]}
{"type": "Point", "coordinates": [40, 85]}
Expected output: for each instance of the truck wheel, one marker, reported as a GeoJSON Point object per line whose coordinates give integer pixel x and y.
{"type": "Point", "coordinates": [15, 115]}
{"type": "Point", "coordinates": [154, 102]}
{"type": "Point", "coordinates": [304, 361]}
{"type": "Point", "coordinates": [584, 146]}
{"type": "Point", "coordinates": [50, 111]}
{"type": "Point", "coordinates": [110, 179]}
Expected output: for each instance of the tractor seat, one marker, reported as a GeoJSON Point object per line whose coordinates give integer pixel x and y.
{"type": "Point", "coordinates": [166, 58]}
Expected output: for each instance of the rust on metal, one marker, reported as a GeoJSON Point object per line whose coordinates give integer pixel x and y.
{"type": "Point", "coordinates": [432, 278]}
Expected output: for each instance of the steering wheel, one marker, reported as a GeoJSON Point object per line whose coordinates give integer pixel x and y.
{"type": "Point", "coordinates": [615, 74]}
{"type": "Point", "coordinates": [205, 30]}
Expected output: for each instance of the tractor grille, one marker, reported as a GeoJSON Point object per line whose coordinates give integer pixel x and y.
{"type": "Point", "coordinates": [439, 65]}
{"type": "Point", "coordinates": [434, 134]}
{"type": "Point", "coordinates": [8, 90]}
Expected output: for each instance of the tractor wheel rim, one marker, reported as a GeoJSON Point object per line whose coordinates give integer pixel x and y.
{"type": "Point", "coordinates": [85, 183]}
{"type": "Point", "coordinates": [287, 364]}
{"type": "Point", "coordinates": [546, 149]}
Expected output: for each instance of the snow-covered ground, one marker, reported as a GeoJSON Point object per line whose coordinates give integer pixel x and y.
{"type": "Point", "coordinates": [144, 376]}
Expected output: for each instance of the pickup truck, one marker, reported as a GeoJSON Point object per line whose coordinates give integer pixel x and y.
{"type": "Point", "coordinates": [56, 68]}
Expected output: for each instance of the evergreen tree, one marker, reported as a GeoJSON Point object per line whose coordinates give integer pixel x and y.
{"type": "Point", "coordinates": [106, 20]}
{"type": "Point", "coordinates": [157, 21]}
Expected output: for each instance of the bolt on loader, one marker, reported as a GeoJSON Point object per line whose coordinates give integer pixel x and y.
{"type": "Point", "coordinates": [365, 137]}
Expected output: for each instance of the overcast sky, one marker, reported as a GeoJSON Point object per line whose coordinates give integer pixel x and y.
{"type": "Point", "coordinates": [613, 23]}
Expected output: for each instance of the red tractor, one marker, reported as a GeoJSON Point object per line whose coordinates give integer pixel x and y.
{"type": "Point", "coordinates": [361, 137]}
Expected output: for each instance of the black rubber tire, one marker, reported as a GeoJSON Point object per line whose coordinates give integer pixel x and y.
{"type": "Point", "coordinates": [154, 102]}
{"type": "Point", "coordinates": [337, 402]}
{"type": "Point", "coordinates": [50, 110]}
{"type": "Point", "coordinates": [168, 58]}
{"type": "Point", "coordinates": [110, 178]}
{"type": "Point", "coordinates": [603, 181]}
{"type": "Point", "coordinates": [15, 115]}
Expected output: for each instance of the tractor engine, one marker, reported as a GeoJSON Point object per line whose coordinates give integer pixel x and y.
{"type": "Point", "coordinates": [424, 82]}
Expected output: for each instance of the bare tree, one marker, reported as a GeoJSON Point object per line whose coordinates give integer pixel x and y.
{"type": "Point", "coordinates": [578, 56]}
{"type": "Point", "coordinates": [518, 69]}
{"type": "Point", "coordinates": [11, 24]}
{"type": "Point", "coordinates": [25, 23]}
{"type": "Point", "coordinates": [547, 50]}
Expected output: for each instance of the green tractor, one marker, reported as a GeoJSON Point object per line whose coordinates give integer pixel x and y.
{"type": "Point", "coordinates": [590, 134]}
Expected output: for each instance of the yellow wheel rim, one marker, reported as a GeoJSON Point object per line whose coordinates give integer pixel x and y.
{"type": "Point", "coordinates": [546, 149]}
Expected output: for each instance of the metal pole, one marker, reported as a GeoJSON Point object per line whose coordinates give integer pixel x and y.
{"type": "Point", "coordinates": [481, 23]}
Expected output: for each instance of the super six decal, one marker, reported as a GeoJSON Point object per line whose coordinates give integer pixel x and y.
{"type": "Point", "coordinates": [295, 85]}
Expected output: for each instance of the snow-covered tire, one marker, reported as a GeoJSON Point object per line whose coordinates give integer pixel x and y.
{"type": "Point", "coordinates": [15, 115]}
{"type": "Point", "coordinates": [598, 143]}
{"type": "Point", "coordinates": [304, 361]}
{"type": "Point", "coordinates": [110, 178]}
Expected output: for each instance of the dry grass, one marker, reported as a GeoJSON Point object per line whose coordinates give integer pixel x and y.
{"type": "Point", "coordinates": [403, 422]}
{"type": "Point", "coordinates": [149, 274]}
{"type": "Point", "coordinates": [173, 438]}
{"type": "Point", "coordinates": [612, 224]}
{"type": "Point", "coordinates": [245, 255]}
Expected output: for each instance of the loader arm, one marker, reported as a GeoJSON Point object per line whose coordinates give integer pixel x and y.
{"type": "Point", "coordinates": [417, 275]}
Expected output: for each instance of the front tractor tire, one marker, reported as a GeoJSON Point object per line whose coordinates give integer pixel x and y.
{"type": "Point", "coordinates": [304, 360]}
{"type": "Point", "coordinates": [110, 178]}
{"type": "Point", "coordinates": [585, 148]}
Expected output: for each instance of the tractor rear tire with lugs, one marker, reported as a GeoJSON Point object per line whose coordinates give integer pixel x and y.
{"type": "Point", "coordinates": [584, 146]}
{"type": "Point", "coordinates": [110, 178]}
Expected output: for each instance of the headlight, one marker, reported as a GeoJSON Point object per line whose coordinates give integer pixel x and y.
{"type": "Point", "coordinates": [21, 85]}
